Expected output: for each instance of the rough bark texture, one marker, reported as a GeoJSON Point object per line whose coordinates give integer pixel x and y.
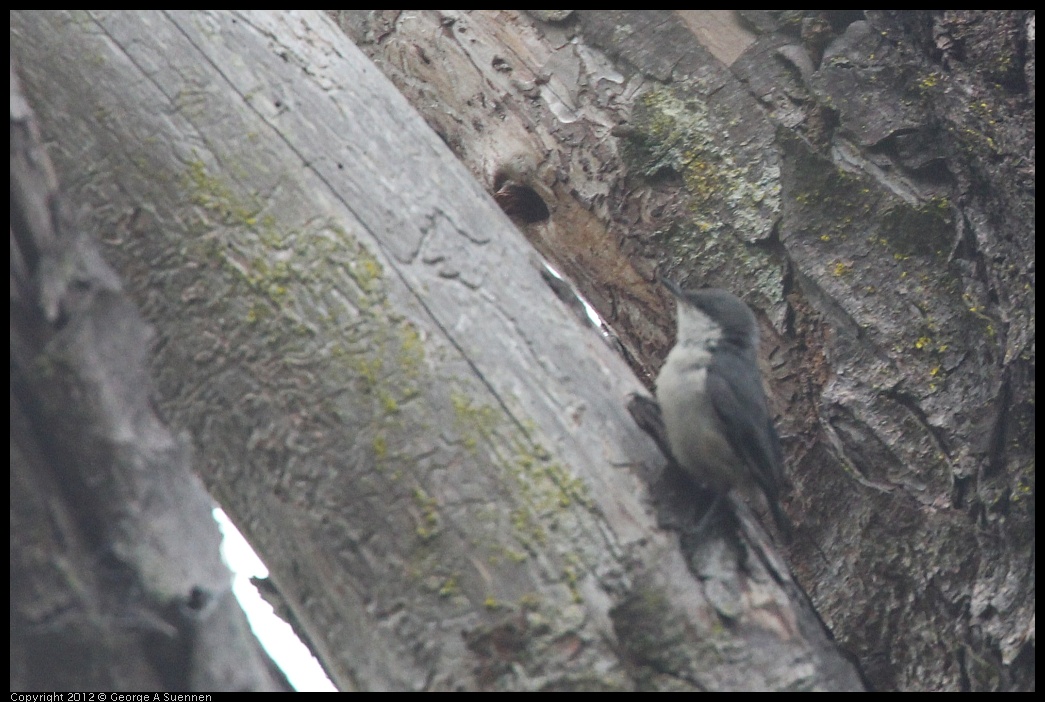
{"type": "Point", "coordinates": [866, 180]}
{"type": "Point", "coordinates": [430, 453]}
{"type": "Point", "coordinates": [116, 580]}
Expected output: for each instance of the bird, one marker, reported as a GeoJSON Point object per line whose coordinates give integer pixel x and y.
{"type": "Point", "coordinates": [712, 402]}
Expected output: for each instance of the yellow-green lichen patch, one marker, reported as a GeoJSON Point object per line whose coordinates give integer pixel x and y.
{"type": "Point", "coordinates": [218, 199]}
{"type": "Point", "coordinates": [544, 493]}
{"type": "Point", "coordinates": [450, 587]}
{"type": "Point", "coordinates": [380, 445]}
{"type": "Point", "coordinates": [680, 136]}
{"type": "Point", "coordinates": [305, 301]}
{"type": "Point", "coordinates": [428, 520]}
{"type": "Point", "coordinates": [729, 199]}
{"type": "Point", "coordinates": [473, 423]}
{"type": "Point", "coordinates": [530, 602]}
{"type": "Point", "coordinates": [929, 81]}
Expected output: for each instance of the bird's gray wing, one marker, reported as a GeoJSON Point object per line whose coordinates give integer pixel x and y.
{"type": "Point", "coordinates": [735, 390]}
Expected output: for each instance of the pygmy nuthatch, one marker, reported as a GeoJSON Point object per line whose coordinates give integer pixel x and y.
{"type": "Point", "coordinates": [712, 402]}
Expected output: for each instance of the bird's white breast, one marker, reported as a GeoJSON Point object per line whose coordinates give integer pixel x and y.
{"type": "Point", "coordinates": [693, 428]}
